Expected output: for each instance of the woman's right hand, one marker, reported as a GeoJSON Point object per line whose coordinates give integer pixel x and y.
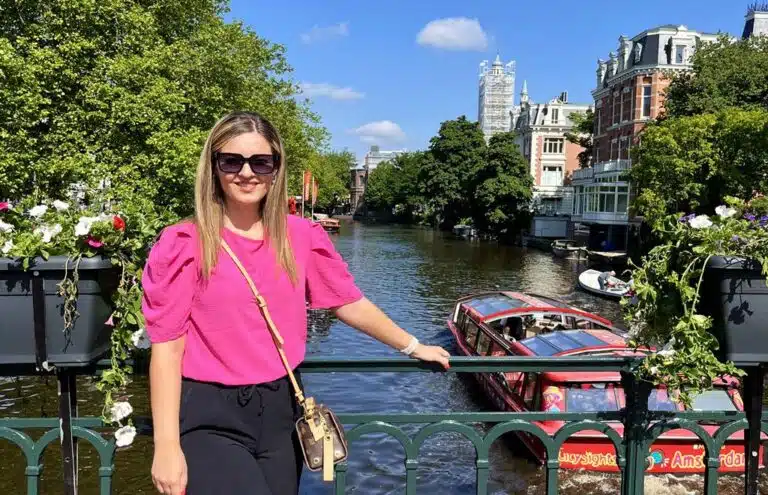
{"type": "Point", "coordinates": [169, 470]}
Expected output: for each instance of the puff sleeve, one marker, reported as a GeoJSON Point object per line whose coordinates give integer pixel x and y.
{"type": "Point", "coordinates": [329, 283]}
{"type": "Point", "coordinates": [169, 280]}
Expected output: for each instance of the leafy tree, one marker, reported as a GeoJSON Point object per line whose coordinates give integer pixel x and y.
{"type": "Point", "coordinates": [127, 89]}
{"type": "Point", "coordinates": [331, 171]}
{"type": "Point", "coordinates": [504, 186]}
{"type": "Point", "coordinates": [381, 189]}
{"type": "Point", "coordinates": [582, 134]}
{"type": "Point", "coordinates": [455, 156]}
{"type": "Point", "coordinates": [691, 163]}
{"type": "Point", "coordinates": [395, 184]}
{"type": "Point", "coordinates": [725, 74]}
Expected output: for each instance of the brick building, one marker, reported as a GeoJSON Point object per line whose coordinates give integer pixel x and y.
{"type": "Point", "coordinates": [629, 93]}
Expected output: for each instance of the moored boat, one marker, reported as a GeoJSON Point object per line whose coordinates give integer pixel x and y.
{"type": "Point", "coordinates": [566, 248]}
{"type": "Point", "coordinates": [588, 282]}
{"type": "Point", "coordinates": [330, 225]}
{"type": "Point", "coordinates": [499, 324]}
{"type": "Point", "coordinates": [464, 231]}
{"type": "Point", "coordinates": [611, 258]}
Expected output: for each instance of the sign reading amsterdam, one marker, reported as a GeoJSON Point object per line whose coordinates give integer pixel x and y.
{"type": "Point", "coordinates": [663, 458]}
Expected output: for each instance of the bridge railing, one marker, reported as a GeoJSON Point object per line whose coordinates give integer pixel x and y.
{"type": "Point", "coordinates": [641, 426]}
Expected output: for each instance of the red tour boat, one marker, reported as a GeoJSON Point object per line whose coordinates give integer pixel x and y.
{"type": "Point", "coordinates": [517, 324]}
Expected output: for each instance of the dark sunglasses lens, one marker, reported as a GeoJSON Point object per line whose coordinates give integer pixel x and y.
{"type": "Point", "coordinates": [230, 164]}
{"type": "Point", "coordinates": [262, 166]}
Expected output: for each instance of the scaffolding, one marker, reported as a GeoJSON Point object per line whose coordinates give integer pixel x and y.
{"type": "Point", "coordinates": [496, 96]}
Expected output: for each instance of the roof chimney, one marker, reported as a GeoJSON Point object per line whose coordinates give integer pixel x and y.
{"type": "Point", "coordinates": [756, 23]}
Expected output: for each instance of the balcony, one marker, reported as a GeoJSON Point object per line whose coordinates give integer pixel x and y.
{"type": "Point", "coordinates": [552, 191]}
{"type": "Point", "coordinates": [619, 218]}
{"type": "Point", "coordinates": [612, 166]}
{"type": "Point", "coordinates": [602, 168]}
{"type": "Point", "coordinates": [632, 447]}
{"type": "Point", "coordinates": [583, 174]}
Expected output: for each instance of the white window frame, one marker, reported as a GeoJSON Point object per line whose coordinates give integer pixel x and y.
{"type": "Point", "coordinates": [650, 101]}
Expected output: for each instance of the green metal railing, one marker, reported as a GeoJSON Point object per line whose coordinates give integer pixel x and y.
{"type": "Point", "coordinates": [641, 426]}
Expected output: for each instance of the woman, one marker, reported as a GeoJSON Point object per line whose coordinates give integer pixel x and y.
{"type": "Point", "coordinates": [222, 406]}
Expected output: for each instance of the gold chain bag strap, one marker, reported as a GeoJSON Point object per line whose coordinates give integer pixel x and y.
{"type": "Point", "coordinates": [321, 436]}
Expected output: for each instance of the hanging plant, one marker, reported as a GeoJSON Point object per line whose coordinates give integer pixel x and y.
{"type": "Point", "coordinates": [666, 311]}
{"type": "Point", "coordinates": [31, 230]}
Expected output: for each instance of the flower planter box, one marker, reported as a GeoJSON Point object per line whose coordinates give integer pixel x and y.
{"type": "Point", "coordinates": [735, 295]}
{"type": "Point", "coordinates": [32, 323]}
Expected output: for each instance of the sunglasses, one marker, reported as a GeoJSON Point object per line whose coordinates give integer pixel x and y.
{"type": "Point", "coordinates": [232, 163]}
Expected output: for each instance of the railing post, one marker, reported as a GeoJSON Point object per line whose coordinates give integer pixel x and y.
{"type": "Point", "coordinates": [68, 405]}
{"type": "Point", "coordinates": [635, 425]}
{"type": "Point", "coordinates": [753, 407]}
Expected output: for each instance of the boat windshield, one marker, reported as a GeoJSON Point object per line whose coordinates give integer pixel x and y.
{"type": "Point", "coordinates": [713, 400]}
{"type": "Point", "coordinates": [591, 397]}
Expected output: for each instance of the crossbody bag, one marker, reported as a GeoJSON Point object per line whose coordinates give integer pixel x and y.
{"type": "Point", "coordinates": [321, 435]}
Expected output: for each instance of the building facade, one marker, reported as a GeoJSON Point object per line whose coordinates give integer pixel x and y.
{"type": "Point", "coordinates": [629, 93]}
{"type": "Point", "coordinates": [496, 96]}
{"type": "Point", "coordinates": [540, 134]}
{"type": "Point", "coordinates": [359, 174]}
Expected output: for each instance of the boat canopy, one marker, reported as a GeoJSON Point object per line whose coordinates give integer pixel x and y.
{"type": "Point", "coordinates": [489, 304]}
{"type": "Point", "coordinates": [549, 344]}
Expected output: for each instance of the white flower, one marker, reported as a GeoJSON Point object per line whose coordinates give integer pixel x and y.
{"type": "Point", "coordinates": [84, 224]}
{"type": "Point", "coordinates": [38, 211]}
{"type": "Point", "coordinates": [5, 227]}
{"type": "Point", "coordinates": [124, 436]}
{"type": "Point", "coordinates": [725, 212]}
{"type": "Point", "coordinates": [48, 231]}
{"type": "Point", "coordinates": [60, 205]}
{"type": "Point", "coordinates": [141, 339]}
{"type": "Point", "coordinates": [701, 222]}
{"type": "Point", "coordinates": [7, 247]}
{"type": "Point", "coordinates": [666, 352]}
{"type": "Point", "coordinates": [654, 370]}
{"type": "Point", "coordinates": [120, 411]}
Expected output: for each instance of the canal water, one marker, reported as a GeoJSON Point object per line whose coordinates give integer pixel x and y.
{"type": "Point", "coordinates": [414, 275]}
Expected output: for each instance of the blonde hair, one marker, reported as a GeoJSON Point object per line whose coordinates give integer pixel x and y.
{"type": "Point", "coordinates": [209, 196]}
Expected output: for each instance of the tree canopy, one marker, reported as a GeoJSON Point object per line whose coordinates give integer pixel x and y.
{"type": "Point", "coordinates": [459, 177]}
{"type": "Point", "coordinates": [127, 90]}
{"type": "Point", "coordinates": [582, 134]}
{"type": "Point", "coordinates": [332, 172]}
{"type": "Point", "coordinates": [725, 74]}
{"type": "Point", "coordinates": [456, 154]}
{"type": "Point", "coordinates": [504, 186]}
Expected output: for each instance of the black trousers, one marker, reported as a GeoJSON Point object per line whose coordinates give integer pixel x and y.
{"type": "Point", "coordinates": [240, 440]}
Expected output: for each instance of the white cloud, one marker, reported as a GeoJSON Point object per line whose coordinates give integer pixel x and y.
{"type": "Point", "coordinates": [454, 33]}
{"type": "Point", "coordinates": [324, 33]}
{"type": "Point", "coordinates": [330, 91]}
{"type": "Point", "coordinates": [379, 131]}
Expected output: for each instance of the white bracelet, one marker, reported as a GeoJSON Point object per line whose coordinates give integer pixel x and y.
{"type": "Point", "coordinates": [411, 346]}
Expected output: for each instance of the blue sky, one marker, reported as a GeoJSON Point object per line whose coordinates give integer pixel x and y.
{"type": "Point", "coordinates": [379, 72]}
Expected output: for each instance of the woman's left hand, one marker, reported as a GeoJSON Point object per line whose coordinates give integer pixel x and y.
{"type": "Point", "coordinates": [432, 353]}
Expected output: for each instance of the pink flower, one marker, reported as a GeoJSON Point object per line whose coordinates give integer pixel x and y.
{"type": "Point", "coordinates": [5, 206]}
{"type": "Point", "coordinates": [109, 321]}
{"type": "Point", "coordinates": [94, 243]}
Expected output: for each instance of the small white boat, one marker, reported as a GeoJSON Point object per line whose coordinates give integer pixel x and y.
{"type": "Point", "coordinates": [588, 282]}
{"type": "Point", "coordinates": [565, 248]}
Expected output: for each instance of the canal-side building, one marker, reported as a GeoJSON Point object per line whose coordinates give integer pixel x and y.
{"type": "Point", "coordinates": [496, 96]}
{"type": "Point", "coordinates": [360, 171]}
{"type": "Point", "coordinates": [629, 93]}
{"type": "Point", "coordinates": [540, 134]}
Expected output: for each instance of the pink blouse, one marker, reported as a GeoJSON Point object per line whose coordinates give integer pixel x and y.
{"type": "Point", "coordinates": [227, 340]}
